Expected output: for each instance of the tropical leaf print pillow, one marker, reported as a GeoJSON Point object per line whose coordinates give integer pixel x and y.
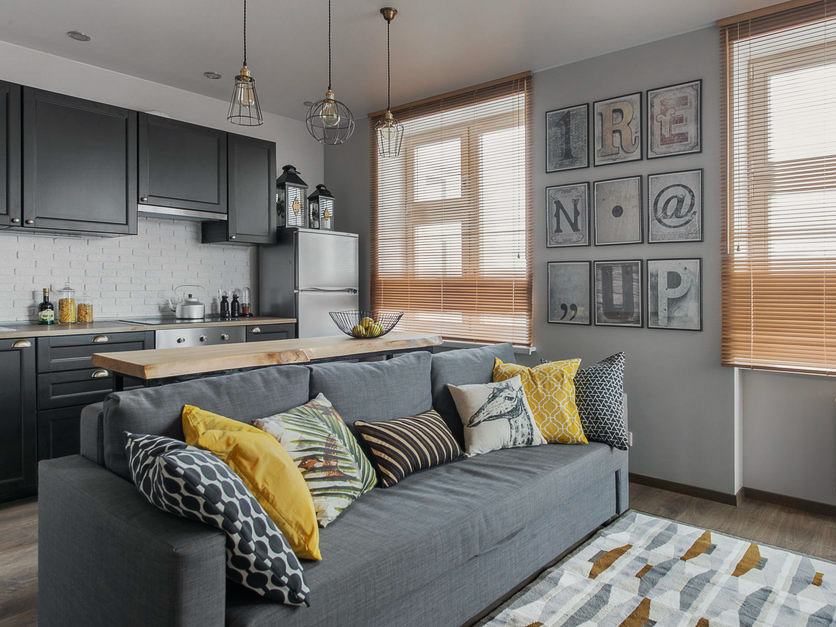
{"type": "Point", "coordinates": [334, 466]}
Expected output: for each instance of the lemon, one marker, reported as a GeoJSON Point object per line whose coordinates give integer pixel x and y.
{"type": "Point", "coordinates": [358, 331]}
{"type": "Point", "coordinates": [366, 322]}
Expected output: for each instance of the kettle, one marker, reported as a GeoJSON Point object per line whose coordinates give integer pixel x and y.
{"type": "Point", "coordinates": [189, 308]}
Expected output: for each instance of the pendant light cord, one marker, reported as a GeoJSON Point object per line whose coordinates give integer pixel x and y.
{"type": "Point", "coordinates": [329, 45]}
{"type": "Point", "coordinates": [245, 33]}
{"type": "Point", "coordinates": [388, 69]}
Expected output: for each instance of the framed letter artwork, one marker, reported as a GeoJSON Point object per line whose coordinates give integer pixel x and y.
{"type": "Point", "coordinates": [567, 215]}
{"type": "Point", "coordinates": [674, 294]}
{"type": "Point", "coordinates": [618, 211]}
{"type": "Point", "coordinates": [569, 292]}
{"type": "Point", "coordinates": [618, 129]}
{"type": "Point", "coordinates": [674, 120]}
{"type": "Point", "coordinates": [567, 138]}
{"type": "Point", "coordinates": [674, 207]}
{"type": "Point", "coordinates": [618, 293]}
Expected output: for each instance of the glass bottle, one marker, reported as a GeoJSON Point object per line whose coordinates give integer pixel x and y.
{"type": "Point", "coordinates": [66, 305]}
{"type": "Point", "coordinates": [246, 306]}
{"type": "Point", "coordinates": [46, 310]}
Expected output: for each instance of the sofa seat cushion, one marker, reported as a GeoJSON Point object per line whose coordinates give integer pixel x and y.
{"type": "Point", "coordinates": [392, 542]}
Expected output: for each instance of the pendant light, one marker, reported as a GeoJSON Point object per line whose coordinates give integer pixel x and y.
{"type": "Point", "coordinates": [329, 120]}
{"type": "Point", "coordinates": [244, 108]}
{"type": "Point", "coordinates": [389, 130]}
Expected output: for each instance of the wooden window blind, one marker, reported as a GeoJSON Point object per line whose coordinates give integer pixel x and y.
{"type": "Point", "coordinates": [451, 216]}
{"type": "Point", "coordinates": [779, 185]}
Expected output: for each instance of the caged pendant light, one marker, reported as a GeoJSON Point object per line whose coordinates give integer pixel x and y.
{"type": "Point", "coordinates": [389, 130]}
{"type": "Point", "coordinates": [329, 120]}
{"type": "Point", "coordinates": [244, 108]}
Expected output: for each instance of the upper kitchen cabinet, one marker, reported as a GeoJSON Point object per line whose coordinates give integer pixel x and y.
{"type": "Point", "coordinates": [252, 194]}
{"type": "Point", "coordinates": [9, 154]}
{"type": "Point", "coordinates": [79, 164]}
{"type": "Point", "coordinates": [181, 166]}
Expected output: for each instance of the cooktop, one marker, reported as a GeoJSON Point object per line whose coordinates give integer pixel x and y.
{"type": "Point", "coordinates": [154, 320]}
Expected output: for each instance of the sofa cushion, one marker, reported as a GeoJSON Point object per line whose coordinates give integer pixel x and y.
{"type": "Point", "coordinates": [156, 410]}
{"type": "Point", "coordinates": [599, 392]}
{"type": "Point", "coordinates": [402, 446]}
{"type": "Point", "coordinates": [186, 481]}
{"type": "Point", "coordinates": [335, 469]}
{"type": "Point", "coordinates": [377, 390]}
{"type": "Point", "coordinates": [435, 521]}
{"type": "Point", "coordinates": [461, 367]}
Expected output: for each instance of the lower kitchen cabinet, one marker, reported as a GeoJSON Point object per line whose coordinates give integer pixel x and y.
{"type": "Point", "coordinates": [265, 332]}
{"type": "Point", "coordinates": [58, 432]}
{"type": "Point", "coordinates": [18, 444]}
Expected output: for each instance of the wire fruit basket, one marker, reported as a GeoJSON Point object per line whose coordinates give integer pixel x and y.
{"type": "Point", "coordinates": [364, 324]}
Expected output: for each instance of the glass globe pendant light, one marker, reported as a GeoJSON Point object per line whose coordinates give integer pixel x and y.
{"type": "Point", "coordinates": [329, 120]}
{"type": "Point", "coordinates": [244, 108]}
{"type": "Point", "coordinates": [389, 130]}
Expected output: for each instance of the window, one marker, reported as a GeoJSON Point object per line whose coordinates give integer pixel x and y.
{"type": "Point", "coordinates": [779, 256]}
{"type": "Point", "coordinates": [451, 217]}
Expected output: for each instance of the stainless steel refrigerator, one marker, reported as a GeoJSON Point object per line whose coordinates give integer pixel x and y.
{"type": "Point", "coordinates": [306, 275]}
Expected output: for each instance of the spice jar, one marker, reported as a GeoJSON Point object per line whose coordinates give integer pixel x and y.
{"type": "Point", "coordinates": [66, 305]}
{"type": "Point", "coordinates": [85, 309]}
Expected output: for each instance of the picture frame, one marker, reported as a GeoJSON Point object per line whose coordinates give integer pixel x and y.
{"type": "Point", "coordinates": [567, 215]}
{"type": "Point", "coordinates": [674, 294]}
{"type": "Point", "coordinates": [567, 138]}
{"type": "Point", "coordinates": [617, 129]}
{"type": "Point", "coordinates": [569, 292]}
{"type": "Point", "coordinates": [674, 120]}
{"type": "Point", "coordinates": [617, 211]}
{"type": "Point", "coordinates": [675, 206]}
{"type": "Point", "coordinates": [618, 293]}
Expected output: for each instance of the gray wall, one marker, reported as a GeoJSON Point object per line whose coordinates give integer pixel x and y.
{"type": "Point", "coordinates": [682, 400]}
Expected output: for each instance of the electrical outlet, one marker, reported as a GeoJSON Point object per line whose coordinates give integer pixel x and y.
{"type": "Point", "coordinates": [629, 438]}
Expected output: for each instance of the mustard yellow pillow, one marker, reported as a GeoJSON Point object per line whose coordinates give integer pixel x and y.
{"type": "Point", "coordinates": [550, 391]}
{"type": "Point", "coordinates": [265, 468]}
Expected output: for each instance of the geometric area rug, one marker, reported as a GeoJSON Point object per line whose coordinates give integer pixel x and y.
{"type": "Point", "coordinates": [644, 570]}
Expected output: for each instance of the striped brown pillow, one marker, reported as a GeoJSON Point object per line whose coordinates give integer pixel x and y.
{"type": "Point", "coordinates": [405, 445]}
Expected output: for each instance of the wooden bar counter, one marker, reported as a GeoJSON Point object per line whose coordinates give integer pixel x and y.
{"type": "Point", "coordinates": [153, 365]}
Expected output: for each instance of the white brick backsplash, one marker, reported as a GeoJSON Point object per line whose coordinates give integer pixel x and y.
{"type": "Point", "coordinates": [121, 276]}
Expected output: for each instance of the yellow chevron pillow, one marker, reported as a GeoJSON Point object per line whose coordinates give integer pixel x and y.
{"type": "Point", "coordinates": [550, 391]}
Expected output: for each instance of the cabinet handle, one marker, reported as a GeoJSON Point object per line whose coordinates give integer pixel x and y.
{"type": "Point", "coordinates": [255, 330]}
{"type": "Point", "coordinates": [233, 236]}
{"type": "Point", "coordinates": [101, 373]}
{"type": "Point", "coordinates": [22, 344]}
{"type": "Point", "coordinates": [224, 336]}
{"type": "Point", "coordinates": [15, 220]}
{"type": "Point", "coordinates": [30, 221]}
{"type": "Point", "coordinates": [143, 199]}
{"type": "Point", "coordinates": [100, 339]}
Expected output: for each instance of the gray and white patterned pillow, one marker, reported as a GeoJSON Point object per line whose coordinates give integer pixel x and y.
{"type": "Point", "coordinates": [193, 483]}
{"type": "Point", "coordinates": [598, 392]}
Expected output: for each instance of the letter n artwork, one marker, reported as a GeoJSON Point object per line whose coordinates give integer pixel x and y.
{"type": "Point", "coordinates": [618, 129]}
{"type": "Point", "coordinates": [567, 215]}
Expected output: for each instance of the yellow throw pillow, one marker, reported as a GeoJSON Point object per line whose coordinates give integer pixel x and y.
{"type": "Point", "coordinates": [265, 468]}
{"type": "Point", "coordinates": [550, 391]}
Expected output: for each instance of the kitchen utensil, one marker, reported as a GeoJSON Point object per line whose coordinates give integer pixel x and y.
{"type": "Point", "coordinates": [188, 308]}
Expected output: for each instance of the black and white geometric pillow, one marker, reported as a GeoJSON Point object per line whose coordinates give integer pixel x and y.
{"type": "Point", "coordinates": [598, 392]}
{"type": "Point", "coordinates": [193, 483]}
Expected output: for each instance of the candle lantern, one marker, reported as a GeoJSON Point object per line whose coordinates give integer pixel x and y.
{"type": "Point", "coordinates": [321, 204]}
{"type": "Point", "coordinates": [290, 198]}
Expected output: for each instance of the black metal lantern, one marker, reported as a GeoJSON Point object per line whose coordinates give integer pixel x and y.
{"type": "Point", "coordinates": [321, 204]}
{"type": "Point", "coordinates": [291, 193]}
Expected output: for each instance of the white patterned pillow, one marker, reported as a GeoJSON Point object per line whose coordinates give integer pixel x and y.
{"type": "Point", "coordinates": [193, 483]}
{"type": "Point", "coordinates": [598, 393]}
{"type": "Point", "coordinates": [495, 415]}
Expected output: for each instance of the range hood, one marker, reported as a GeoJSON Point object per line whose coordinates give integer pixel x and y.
{"type": "Point", "coordinates": [180, 214]}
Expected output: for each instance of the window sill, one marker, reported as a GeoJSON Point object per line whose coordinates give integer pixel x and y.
{"type": "Point", "coordinates": [518, 350]}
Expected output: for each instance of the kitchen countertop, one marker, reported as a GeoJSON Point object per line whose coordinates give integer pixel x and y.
{"type": "Point", "coordinates": [163, 363]}
{"type": "Point", "coordinates": [18, 329]}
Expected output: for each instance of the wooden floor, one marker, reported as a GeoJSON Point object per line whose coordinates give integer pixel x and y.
{"type": "Point", "coordinates": [756, 520]}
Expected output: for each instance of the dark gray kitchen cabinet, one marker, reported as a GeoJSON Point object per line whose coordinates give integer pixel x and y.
{"type": "Point", "coordinates": [267, 332]}
{"type": "Point", "coordinates": [251, 166]}
{"type": "Point", "coordinates": [79, 164]}
{"type": "Point", "coordinates": [18, 431]}
{"type": "Point", "coordinates": [181, 165]}
{"type": "Point", "coordinates": [10, 154]}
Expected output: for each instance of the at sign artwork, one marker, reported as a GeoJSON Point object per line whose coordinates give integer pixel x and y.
{"type": "Point", "coordinates": [674, 207]}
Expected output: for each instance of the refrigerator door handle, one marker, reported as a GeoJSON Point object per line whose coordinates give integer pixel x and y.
{"type": "Point", "coordinates": [347, 290]}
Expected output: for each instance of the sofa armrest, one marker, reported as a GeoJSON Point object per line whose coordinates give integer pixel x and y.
{"type": "Point", "coordinates": [106, 556]}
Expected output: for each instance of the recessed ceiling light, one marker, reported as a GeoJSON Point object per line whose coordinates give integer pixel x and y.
{"type": "Point", "coordinates": [213, 75]}
{"type": "Point", "coordinates": [78, 35]}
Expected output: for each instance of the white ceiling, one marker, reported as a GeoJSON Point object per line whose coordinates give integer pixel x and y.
{"type": "Point", "coordinates": [437, 45]}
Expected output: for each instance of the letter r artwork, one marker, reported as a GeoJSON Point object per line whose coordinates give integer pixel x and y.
{"type": "Point", "coordinates": [618, 133]}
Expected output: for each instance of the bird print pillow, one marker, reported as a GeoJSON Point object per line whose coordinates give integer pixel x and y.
{"type": "Point", "coordinates": [331, 461]}
{"type": "Point", "coordinates": [495, 415]}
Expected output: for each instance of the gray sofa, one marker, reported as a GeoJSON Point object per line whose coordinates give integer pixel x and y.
{"type": "Point", "coordinates": [437, 549]}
